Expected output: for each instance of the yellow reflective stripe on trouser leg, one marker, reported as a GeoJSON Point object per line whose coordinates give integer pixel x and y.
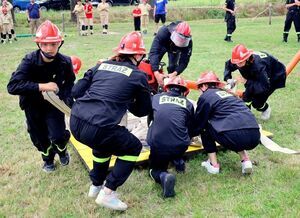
{"type": "Point", "coordinates": [129, 158]}
{"type": "Point", "coordinates": [101, 160]}
{"type": "Point", "coordinates": [47, 152]}
{"type": "Point", "coordinates": [248, 103]}
{"type": "Point", "coordinates": [262, 107]}
{"type": "Point", "coordinates": [59, 149]}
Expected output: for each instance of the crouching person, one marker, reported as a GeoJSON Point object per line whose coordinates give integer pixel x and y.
{"type": "Point", "coordinates": [45, 70]}
{"type": "Point", "coordinates": [169, 132]}
{"type": "Point", "coordinates": [223, 118]}
{"type": "Point", "coordinates": [103, 96]}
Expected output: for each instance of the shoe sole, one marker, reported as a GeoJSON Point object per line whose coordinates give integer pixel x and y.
{"type": "Point", "coordinates": [48, 171]}
{"type": "Point", "coordinates": [247, 171]}
{"type": "Point", "coordinates": [169, 185]}
{"type": "Point", "coordinates": [203, 164]}
{"type": "Point", "coordinates": [109, 207]}
{"type": "Point", "coordinates": [94, 195]}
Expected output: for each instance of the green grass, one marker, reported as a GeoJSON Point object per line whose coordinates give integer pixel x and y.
{"type": "Point", "coordinates": [272, 191]}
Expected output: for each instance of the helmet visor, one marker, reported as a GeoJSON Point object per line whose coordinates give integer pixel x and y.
{"type": "Point", "coordinates": [180, 40]}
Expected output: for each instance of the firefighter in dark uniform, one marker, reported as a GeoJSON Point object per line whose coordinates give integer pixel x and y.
{"type": "Point", "coordinates": [103, 96]}
{"type": "Point", "coordinates": [293, 15]}
{"type": "Point", "coordinates": [170, 131]}
{"type": "Point", "coordinates": [230, 18]}
{"type": "Point", "coordinates": [223, 118]}
{"type": "Point", "coordinates": [176, 40]}
{"type": "Point", "coordinates": [45, 70]}
{"type": "Point", "coordinates": [263, 74]}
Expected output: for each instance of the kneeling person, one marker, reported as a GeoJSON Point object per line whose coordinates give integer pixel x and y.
{"type": "Point", "coordinates": [169, 132]}
{"type": "Point", "coordinates": [224, 118]}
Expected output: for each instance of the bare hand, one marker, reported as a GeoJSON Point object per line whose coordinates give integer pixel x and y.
{"type": "Point", "coordinates": [241, 79]}
{"type": "Point", "coordinates": [171, 75]}
{"type": "Point", "coordinates": [159, 77]}
{"type": "Point", "coordinates": [50, 86]}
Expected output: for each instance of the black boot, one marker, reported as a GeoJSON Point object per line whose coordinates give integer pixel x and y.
{"type": "Point", "coordinates": [229, 39]}
{"type": "Point", "coordinates": [285, 37]}
{"type": "Point", "coordinates": [298, 37]}
{"type": "Point", "coordinates": [226, 38]}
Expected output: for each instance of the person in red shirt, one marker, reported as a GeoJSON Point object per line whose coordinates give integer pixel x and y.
{"type": "Point", "coordinates": [88, 9]}
{"type": "Point", "coordinates": [137, 13]}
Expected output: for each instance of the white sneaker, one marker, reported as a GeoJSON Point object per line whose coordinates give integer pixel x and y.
{"type": "Point", "coordinates": [94, 191]}
{"type": "Point", "coordinates": [247, 167]}
{"type": "Point", "coordinates": [265, 115]}
{"type": "Point", "coordinates": [110, 201]}
{"type": "Point", "coordinates": [210, 168]}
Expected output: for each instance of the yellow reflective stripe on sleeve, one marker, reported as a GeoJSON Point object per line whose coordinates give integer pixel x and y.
{"type": "Point", "coordinates": [101, 160]}
{"type": "Point", "coordinates": [248, 103]}
{"type": "Point", "coordinates": [128, 158]}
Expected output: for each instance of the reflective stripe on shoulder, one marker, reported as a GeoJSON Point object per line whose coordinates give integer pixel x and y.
{"type": "Point", "coordinates": [172, 100]}
{"type": "Point", "coordinates": [223, 94]}
{"type": "Point", "coordinates": [116, 68]}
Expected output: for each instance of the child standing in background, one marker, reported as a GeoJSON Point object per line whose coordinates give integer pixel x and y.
{"type": "Point", "coordinates": [79, 11]}
{"type": "Point", "coordinates": [6, 21]}
{"type": "Point", "coordinates": [145, 9]}
{"type": "Point", "coordinates": [88, 8]}
{"type": "Point", "coordinates": [103, 9]}
{"type": "Point", "coordinates": [136, 13]}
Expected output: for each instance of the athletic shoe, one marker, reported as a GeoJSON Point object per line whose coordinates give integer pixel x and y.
{"type": "Point", "coordinates": [265, 115]}
{"type": "Point", "coordinates": [110, 201]}
{"type": "Point", "coordinates": [179, 165]}
{"type": "Point", "coordinates": [48, 167]}
{"type": "Point", "coordinates": [65, 159]}
{"type": "Point", "coordinates": [94, 191]}
{"type": "Point", "coordinates": [247, 167]}
{"type": "Point", "coordinates": [210, 168]}
{"type": "Point", "coordinates": [168, 183]}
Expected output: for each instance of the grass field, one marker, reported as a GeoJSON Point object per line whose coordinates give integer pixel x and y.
{"type": "Point", "coordinates": [272, 191]}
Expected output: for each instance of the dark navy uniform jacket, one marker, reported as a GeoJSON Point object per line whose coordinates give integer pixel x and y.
{"type": "Point", "coordinates": [162, 44]}
{"type": "Point", "coordinates": [265, 73]}
{"type": "Point", "coordinates": [293, 8]}
{"type": "Point", "coordinates": [230, 4]}
{"type": "Point", "coordinates": [223, 111]}
{"type": "Point", "coordinates": [33, 70]}
{"type": "Point", "coordinates": [108, 90]}
{"type": "Point", "coordinates": [173, 121]}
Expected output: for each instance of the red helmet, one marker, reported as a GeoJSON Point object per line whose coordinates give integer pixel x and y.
{"type": "Point", "coordinates": [209, 77]}
{"type": "Point", "coordinates": [177, 81]}
{"type": "Point", "coordinates": [181, 36]}
{"type": "Point", "coordinates": [76, 62]}
{"type": "Point", "coordinates": [240, 53]}
{"type": "Point", "coordinates": [131, 43]}
{"type": "Point", "coordinates": [48, 32]}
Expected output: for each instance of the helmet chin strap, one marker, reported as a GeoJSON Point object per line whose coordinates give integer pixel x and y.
{"type": "Point", "coordinates": [138, 62]}
{"type": "Point", "coordinates": [46, 55]}
{"type": "Point", "coordinates": [50, 57]}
